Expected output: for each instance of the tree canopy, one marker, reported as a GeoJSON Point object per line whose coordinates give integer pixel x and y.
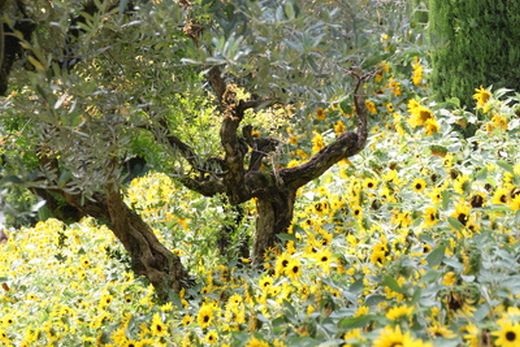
{"type": "Point", "coordinates": [193, 89]}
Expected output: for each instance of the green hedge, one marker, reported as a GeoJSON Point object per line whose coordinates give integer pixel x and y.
{"type": "Point", "coordinates": [474, 42]}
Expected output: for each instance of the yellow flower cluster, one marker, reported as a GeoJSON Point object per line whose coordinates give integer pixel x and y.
{"type": "Point", "coordinates": [422, 116]}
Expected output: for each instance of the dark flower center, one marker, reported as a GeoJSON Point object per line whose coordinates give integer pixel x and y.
{"type": "Point", "coordinates": [477, 201]}
{"type": "Point", "coordinates": [463, 218]}
{"type": "Point", "coordinates": [510, 336]}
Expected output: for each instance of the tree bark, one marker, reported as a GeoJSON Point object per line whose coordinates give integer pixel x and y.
{"type": "Point", "coordinates": [149, 257]}
{"type": "Point", "coordinates": [3, 236]}
{"type": "Point", "coordinates": [274, 215]}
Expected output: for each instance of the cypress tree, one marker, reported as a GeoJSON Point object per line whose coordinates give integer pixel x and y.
{"type": "Point", "coordinates": [474, 42]}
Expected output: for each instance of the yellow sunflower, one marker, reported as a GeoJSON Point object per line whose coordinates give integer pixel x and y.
{"type": "Point", "coordinates": [205, 316]}
{"type": "Point", "coordinates": [158, 328]}
{"type": "Point", "coordinates": [431, 216]}
{"type": "Point", "coordinates": [398, 312]}
{"type": "Point", "coordinates": [418, 185]}
{"type": "Point", "coordinates": [211, 337]}
{"type": "Point", "coordinates": [324, 258]}
{"type": "Point", "coordinates": [281, 263]}
{"type": "Point", "coordinates": [294, 269]}
{"type": "Point", "coordinates": [501, 196]}
{"type": "Point", "coordinates": [482, 97]}
{"type": "Point", "coordinates": [392, 337]}
{"type": "Point", "coordinates": [254, 342]}
{"type": "Point", "coordinates": [508, 335]}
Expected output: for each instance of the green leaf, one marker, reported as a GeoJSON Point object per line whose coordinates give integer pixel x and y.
{"type": "Point", "coordinates": [356, 287]}
{"type": "Point", "coordinates": [440, 150]}
{"type": "Point", "coordinates": [11, 179]}
{"type": "Point", "coordinates": [481, 313]}
{"type": "Point", "coordinates": [355, 322]}
{"type": "Point", "coordinates": [374, 299]}
{"type": "Point", "coordinates": [431, 276]}
{"type": "Point", "coordinates": [455, 223]}
{"type": "Point", "coordinates": [445, 199]}
{"type": "Point", "coordinates": [416, 296]}
{"type": "Point", "coordinates": [453, 102]}
{"type": "Point", "coordinates": [481, 174]}
{"type": "Point", "coordinates": [289, 10]}
{"type": "Point", "coordinates": [174, 297]}
{"type": "Point", "coordinates": [505, 165]}
{"type": "Point", "coordinates": [346, 106]}
{"type": "Point", "coordinates": [286, 237]}
{"type": "Point", "coordinates": [36, 207]}
{"type": "Point", "coordinates": [435, 257]}
{"type": "Point", "coordinates": [60, 101]}
{"type": "Point", "coordinates": [122, 5]}
{"type": "Point", "coordinates": [37, 64]}
{"type": "Point", "coordinates": [302, 341]}
{"type": "Point", "coordinates": [390, 282]}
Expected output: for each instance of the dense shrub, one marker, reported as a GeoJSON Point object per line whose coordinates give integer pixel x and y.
{"type": "Point", "coordinates": [474, 42]}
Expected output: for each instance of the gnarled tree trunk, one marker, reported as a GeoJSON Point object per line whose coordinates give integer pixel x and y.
{"type": "Point", "coordinates": [275, 189]}
{"type": "Point", "coordinates": [275, 212]}
{"type": "Point", "coordinates": [149, 256]}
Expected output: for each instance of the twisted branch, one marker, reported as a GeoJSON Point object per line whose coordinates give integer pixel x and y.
{"type": "Point", "coordinates": [347, 145]}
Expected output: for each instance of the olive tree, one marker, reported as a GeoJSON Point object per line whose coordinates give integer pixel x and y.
{"type": "Point", "coordinates": [89, 80]}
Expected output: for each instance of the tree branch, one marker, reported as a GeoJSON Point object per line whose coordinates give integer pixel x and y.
{"type": "Point", "coordinates": [212, 166]}
{"type": "Point", "coordinates": [217, 82]}
{"type": "Point", "coordinates": [261, 147]}
{"type": "Point", "coordinates": [300, 175]}
{"type": "Point", "coordinates": [11, 48]}
{"type": "Point", "coordinates": [362, 114]}
{"type": "Point", "coordinates": [208, 187]}
{"type": "Point", "coordinates": [347, 145]}
{"type": "Point", "coordinates": [191, 157]}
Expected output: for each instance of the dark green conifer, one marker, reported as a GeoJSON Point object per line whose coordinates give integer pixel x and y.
{"type": "Point", "coordinates": [474, 42]}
